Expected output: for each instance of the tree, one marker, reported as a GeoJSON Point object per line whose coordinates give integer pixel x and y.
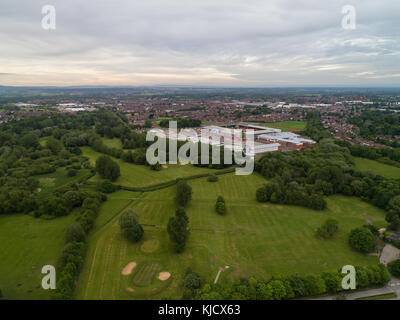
{"type": "Point", "coordinates": [315, 285]}
{"type": "Point", "coordinates": [128, 219]}
{"type": "Point", "coordinates": [129, 225]}
{"type": "Point", "coordinates": [29, 140]}
{"type": "Point", "coordinates": [75, 232]}
{"type": "Point", "coordinates": [134, 233]}
{"type": "Point", "coordinates": [328, 229]}
{"type": "Point", "coordinates": [394, 268]}
{"type": "Point", "coordinates": [183, 193]}
{"type": "Point", "coordinates": [317, 202]}
{"type": "Point", "coordinates": [54, 145]}
{"type": "Point", "coordinates": [362, 239]}
{"type": "Point", "coordinates": [192, 281]}
{"type": "Point", "coordinates": [107, 168]}
{"type": "Point", "coordinates": [178, 230]}
{"type": "Point", "coordinates": [332, 281]}
{"type": "Point", "coordinates": [276, 290]}
{"type": "Point", "coordinates": [220, 205]}
{"type": "Point", "coordinates": [105, 186]}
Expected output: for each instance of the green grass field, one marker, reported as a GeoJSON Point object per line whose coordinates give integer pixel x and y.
{"type": "Point", "coordinates": [112, 143]}
{"type": "Point", "coordinates": [377, 168]}
{"type": "Point", "coordinates": [287, 125]}
{"type": "Point", "coordinates": [139, 175]}
{"type": "Point", "coordinates": [254, 239]}
{"type": "Point", "coordinates": [51, 181]}
{"type": "Point", "coordinates": [27, 245]}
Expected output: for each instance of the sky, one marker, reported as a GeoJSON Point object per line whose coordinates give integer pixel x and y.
{"type": "Point", "coordinates": [247, 43]}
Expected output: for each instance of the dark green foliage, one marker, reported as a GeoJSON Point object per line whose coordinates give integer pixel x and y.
{"type": "Point", "coordinates": [328, 229]}
{"type": "Point", "coordinates": [182, 123]}
{"type": "Point", "coordinates": [134, 233]}
{"type": "Point", "coordinates": [178, 229]}
{"type": "Point", "coordinates": [192, 280]}
{"type": "Point", "coordinates": [106, 186]}
{"type": "Point", "coordinates": [289, 287]}
{"type": "Point", "coordinates": [72, 172]}
{"type": "Point", "coordinates": [107, 168]}
{"type": "Point", "coordinates": [183, 193]}
{"type": "Point", "coordinates": [394, 268]}
{"type": "Point", "coordinates": [220, 205]}
{"type": "Point", "coordinates": [75, 233]}
{"type": "Point", "coordinates": [129, 225]}
{"type": "Point", "coordinates": [362, 239]}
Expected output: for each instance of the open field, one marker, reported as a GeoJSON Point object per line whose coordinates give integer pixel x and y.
{"type": "Point", "coordinates": [378, 168]}
{"type": "Point", "coordinates": [51, 181]}
{"type": "Point", "coordinates": [254, 239]}
{"type": "Point", "coordinates": [286, 125]}
{"type": "Point", "coordinates": [112, 143]}
{"type": "Point", "coordinates": [139, 175]}
{"type": "Point", "coordinates": [27, 245]}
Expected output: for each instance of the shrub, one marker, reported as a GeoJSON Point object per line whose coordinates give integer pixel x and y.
{"type": "Point", "coordinates": [328, 229]}
{"type": "Point", "coordinates": [71, 172]}
{"type": "Point", "coordinates": [192, 281]}
{"type": "Point", "coordinates": [212, 178]}
{"type": "Point", "coordinates": [363, 240]}
{"type": "Point", "coordinates": [106, 186]}
{"type": "Point", "coordinates": [394, 268]}
{"type": "Point", "coordinates": [74, 232]}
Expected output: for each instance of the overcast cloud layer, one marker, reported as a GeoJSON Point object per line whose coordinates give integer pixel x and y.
{"type": "Point", "coordinates": [202, 42]}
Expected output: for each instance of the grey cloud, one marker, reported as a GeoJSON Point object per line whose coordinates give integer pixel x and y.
{"type": "Point", "coordinates": [253, 42]}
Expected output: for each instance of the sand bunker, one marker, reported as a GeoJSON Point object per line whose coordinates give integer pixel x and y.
{"type": "Point", "coordinates": [128, 268]}
{"type": "Point", "coordinates": [164, 166]}
{"type": "Point", "coordinates": [164, 276]}
{"type": "Point", "coordinates": [129, 289]}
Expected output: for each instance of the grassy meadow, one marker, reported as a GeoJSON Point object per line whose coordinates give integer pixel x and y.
{"type": "Point", "coordinates": [27, 245]}
{"type": "Point", "coordinates": [253, 239]}
{"type": "Point", "coordinates": [139, 175]}
{"type": "Point", "coordinates": [286, 125]}
{"type": "Point", "coordinates": [376, 167]}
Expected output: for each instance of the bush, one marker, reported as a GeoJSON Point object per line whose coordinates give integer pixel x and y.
{"type": "Point", "coordinates": [212, 178]}
{"type": "Point", "coordinates": [71, 172]}
{"type": "Point", "coordinates": [75, 233]}
{"type": "Point", "coordinates": [107, 168]}
{"type": "Point", "coordinates": [328, 229]}
{"type": "Point", "coordinates": [192, 281]}
{"type": "Point", "coordinates": [106, 186]}
{"type": "Point", "coordinates": [363, 240]}
{"type": "Point", "coordinates": [394, 268]}
{"type": "Point", "coordinates": [220, 205]}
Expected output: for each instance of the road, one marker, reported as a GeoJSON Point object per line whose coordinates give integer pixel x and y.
{"type": "Point", "coordinates": [392, 287]}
